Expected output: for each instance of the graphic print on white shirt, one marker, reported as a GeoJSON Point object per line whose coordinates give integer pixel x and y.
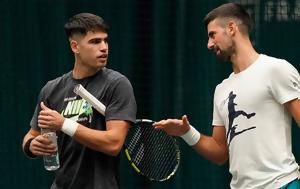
{"type": "Point", "coordinates": [232, 114]}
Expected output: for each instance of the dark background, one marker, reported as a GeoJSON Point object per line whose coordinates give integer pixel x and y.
{"type": "Point", "coordinates": [160, 45]}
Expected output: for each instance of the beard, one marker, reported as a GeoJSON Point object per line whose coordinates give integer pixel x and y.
{"type": "Point", "coordinates": [224, 55]}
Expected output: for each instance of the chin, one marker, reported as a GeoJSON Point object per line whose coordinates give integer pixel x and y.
{"type": "Point", "coordinates": [223, 57]}
{"type": "Point", "coordinates": [101, 64]}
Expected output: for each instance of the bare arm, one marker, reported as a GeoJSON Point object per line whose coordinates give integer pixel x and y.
{"type": "Point", "coordinates": [293, 107]}
{"type": "Point", "coordinates": [109, 141]}
{"type": "Point", "coordinates": [214, 147]}
{"type": "Point", "coordinates": [31, 134]}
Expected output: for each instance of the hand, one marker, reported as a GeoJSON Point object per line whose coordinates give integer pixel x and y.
{"type": "Point", "coordinates": [42, 146]}
{"type": "Point", "coordinates": [174, 127]}
{"type": "Point", "coordinates": [50, 119]}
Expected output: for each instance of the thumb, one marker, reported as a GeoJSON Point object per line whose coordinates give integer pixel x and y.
{"type": "Point", "coordinates": [44, 107]}
{"type": "Point", "coordinates": [185, 120]}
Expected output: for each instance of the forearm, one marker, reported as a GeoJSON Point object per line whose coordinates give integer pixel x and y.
{"type": "Point", "coordinates": [210, 149]}
{"type": "Point", "coordinates": [102, 141]}
{"type": "Point", "coordinates": [109, 141]}
{"type": "Point", "coordinates": [27, 142]}
{"type": "Point", "coordinates": [213, 148]}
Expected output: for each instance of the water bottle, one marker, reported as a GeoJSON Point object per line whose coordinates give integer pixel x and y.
{"type": "Point", "coordinates": [51, 162]}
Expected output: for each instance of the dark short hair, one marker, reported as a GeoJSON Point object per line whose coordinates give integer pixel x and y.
{"type": "Point", "coordinates": [84, 22]}
{"type": "Point", "coordinates": [231, 10]}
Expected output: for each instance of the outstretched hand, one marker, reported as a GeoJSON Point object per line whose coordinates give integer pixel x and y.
{"type": "Point", "coordinates": [174, 127]}
{"type": "Point", "coordinates": [50, 119]}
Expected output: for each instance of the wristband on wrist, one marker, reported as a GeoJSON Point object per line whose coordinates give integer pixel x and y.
{"type": "Point", "coordinates": [69, 127]}
{"type": "Point", "coordinates": [192, 136]}
{"type": "Point", "coordinates": [26, 149]}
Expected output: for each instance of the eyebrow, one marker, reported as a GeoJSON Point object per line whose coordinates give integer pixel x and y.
{"type": "Point", "coordinates": [98, 38]}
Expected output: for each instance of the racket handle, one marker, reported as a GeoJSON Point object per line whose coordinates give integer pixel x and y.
{"type": "Point", "coordinates": [83, 93]}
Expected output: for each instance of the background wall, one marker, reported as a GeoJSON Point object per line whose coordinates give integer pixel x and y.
{"type": "Point", "coordinates": [160, 45]}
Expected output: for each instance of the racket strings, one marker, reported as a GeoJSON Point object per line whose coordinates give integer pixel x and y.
{"type": "Point", "coordinates": [154, 152]}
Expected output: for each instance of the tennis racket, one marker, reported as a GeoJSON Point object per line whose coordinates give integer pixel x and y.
{"type": "Point", "coordinates": [151, 152]}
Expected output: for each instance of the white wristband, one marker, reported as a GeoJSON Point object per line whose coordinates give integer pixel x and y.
{"type": "Point", "coordinates": [192, 136]}
{"type": "Point", "coordinates": [69, 127]}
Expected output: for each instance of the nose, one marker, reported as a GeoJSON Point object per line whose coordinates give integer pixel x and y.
{"type": "Point", "coordinates": [103, 45]}
{"type": "Point", "coordinates": [210, 44]}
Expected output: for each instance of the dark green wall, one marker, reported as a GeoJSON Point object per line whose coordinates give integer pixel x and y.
{"type": "Point", "coordinates": [159, 44]}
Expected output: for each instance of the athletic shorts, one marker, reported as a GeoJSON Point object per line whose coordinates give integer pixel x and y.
{"type": "Point", "coordinates": [295, 184]}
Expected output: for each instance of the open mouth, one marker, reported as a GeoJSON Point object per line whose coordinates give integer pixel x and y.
{"type": "Point", "coordinates": [104, 56]}
{"type": "Point", "coordinates": [217, 51]}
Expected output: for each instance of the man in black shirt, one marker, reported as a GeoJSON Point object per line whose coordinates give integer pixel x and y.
{"type": "Point", "coordinates": [88, 143]}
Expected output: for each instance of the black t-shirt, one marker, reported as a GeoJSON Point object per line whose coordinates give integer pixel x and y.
{"type": "Point", "coordinates": [81, 167]}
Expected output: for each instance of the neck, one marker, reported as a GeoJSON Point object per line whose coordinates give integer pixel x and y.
{"type": "Point", "coordinates": [80, 71]}
{"type": "Point", "coordinates": [244, 56]}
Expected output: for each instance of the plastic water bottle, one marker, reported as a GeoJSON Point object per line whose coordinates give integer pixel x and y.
{"type": "Point", "coordinates": [51, 162]}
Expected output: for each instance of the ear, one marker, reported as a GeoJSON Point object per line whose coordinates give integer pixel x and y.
{"type": "Point", "coordinates": [74, 46]}
{"type": "Point", "coordinates": [231, 28]}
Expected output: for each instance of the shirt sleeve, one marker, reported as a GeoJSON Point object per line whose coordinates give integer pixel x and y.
{"type": "Point", "coordinates": [217, 119]}
{"type": "Point", "coordinates": [34, 119]}
{"type": "Point", "coordinates": [285, 82]}
{"type": "Point", "coordinates": [122, 105]}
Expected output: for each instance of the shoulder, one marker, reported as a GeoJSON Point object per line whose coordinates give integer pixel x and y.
{"type": "Point", "coordinates": [51, 84]}
{"type": "Point", "coordinates": [225, 81]}
{"type": "Point", "coordinates": [278, 68]}
{"type": "Point", "coordinates": [114, 77]}
{"type": "Point", "coordinates": [273, 62]}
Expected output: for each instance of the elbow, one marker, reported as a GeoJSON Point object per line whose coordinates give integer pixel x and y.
{"type": "Point", "coordinates": [114, 152]}
{"type": "Point", "coordinates": [220, 161]}
{"type": "Point", "coordinates": [113, 149]}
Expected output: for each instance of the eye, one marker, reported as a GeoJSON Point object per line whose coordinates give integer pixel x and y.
{"type": "Point", "coordinates": [95, 41]}
{"type": "Point", "coordinates": [98, 41]}
{"type": "Point", "coordinates": [212, 35]}
{"type": "Point", "coordinates": [105, 40]}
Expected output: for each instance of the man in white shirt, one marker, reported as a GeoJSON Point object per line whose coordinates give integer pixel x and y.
{"type": "Point", "coordinates": [253, 108]}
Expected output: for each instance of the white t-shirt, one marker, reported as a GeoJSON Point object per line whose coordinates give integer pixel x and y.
{"type": "Point", "coordinates": [258, 127]}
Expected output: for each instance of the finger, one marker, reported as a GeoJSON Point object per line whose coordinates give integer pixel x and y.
{"type": "Point", "coordinates": [42, 152]}
{"type": "Point", "coordinates": [42, 140]}
{"type": "Point", "coordinates": [45, 149]}
{"type": "Point", "coordinates": [44, 126]}
{"type": "Point", "coordinates": [46, 112]}
{"type": "Point", "coordinates": [157, 124]}
{"type": "Point", "coordinates": [37, 152]}
{"type": "Point", "coordinates": [44, 118]}
{"type": "Point", "coordinates": [44, 121]}
{"type": "Point", "coordinates": [44, 107]}
{"type": "Point", "coordinates": [158, 127]}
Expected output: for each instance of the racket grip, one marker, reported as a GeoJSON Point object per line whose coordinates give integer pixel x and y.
{"type": "Point", "coordinates": [83, 93]}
